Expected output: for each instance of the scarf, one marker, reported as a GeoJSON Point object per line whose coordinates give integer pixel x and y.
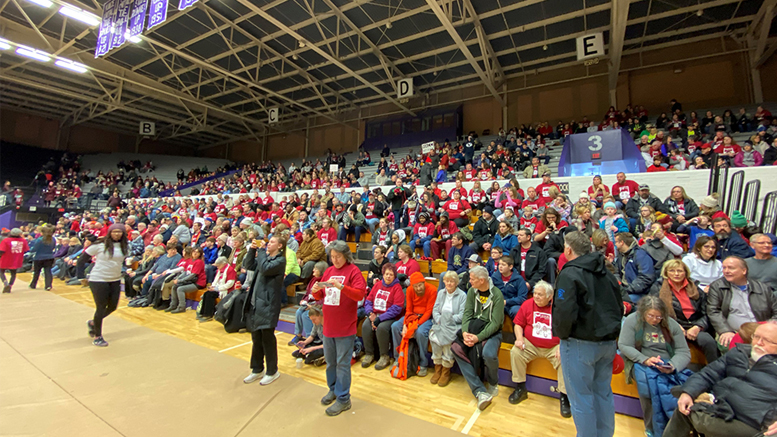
{"type": "Point", "coordinates": [665, 294]}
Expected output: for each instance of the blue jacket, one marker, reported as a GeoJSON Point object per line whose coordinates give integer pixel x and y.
{"type": "Point", "coordinates": [441, 176]}
{"type": "Point", "coordinates": [505, 243]}
{"type": "Point", "coordinates": [457, 258]}
{"type": "Point", "coordinates": [42, 250]}
{"type": "Point", "coordinates": [656, 386]}
{"type": "Point", "coordinates": [735, 245]}
{"type": "Point", "coordinates": [695, 232]}
{"type": "Point", "coordinates": [209, 255]}
{"type": "Point", "coordinates": [638, 272]}
{"type": "Point", "coordinates": [618, 222]}
{"type": "Point", "coordinates": [514, 291]}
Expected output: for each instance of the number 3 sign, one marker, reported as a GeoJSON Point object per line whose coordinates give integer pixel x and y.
{"type": "Point", "coordinates": [597, 143]}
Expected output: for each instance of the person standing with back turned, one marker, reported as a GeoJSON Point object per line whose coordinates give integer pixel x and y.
{"type": "Point", "coordinates": [105, 278]}
{"type": "Point", "coordinates": [587, 313]}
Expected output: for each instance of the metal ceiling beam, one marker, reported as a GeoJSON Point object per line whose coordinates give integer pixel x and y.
{"type": "Point", "coordinates": [275, 22]}
{"type": "Point", "coordinates": [490, 61]}
{"type": "Point", "coordinates": [618, 20]}
{"type": "Point", "coordinates": [560, 39]}
{"type": "Point", "coordinates": [764, 19]}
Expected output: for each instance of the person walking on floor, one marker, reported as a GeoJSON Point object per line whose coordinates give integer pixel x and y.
{"type": "Point", "coordinates": [43, 248]}
{"type": "Point", "coordinates": [105, 278]}
{"type": "Point", "coordinates": [341, 288]}
{"type": "Point", "coordinates": [263, 307]}
{"type": "Point", "coordinates": [587, 312]}
{"type": "Point", "coordinates": [12, 250]}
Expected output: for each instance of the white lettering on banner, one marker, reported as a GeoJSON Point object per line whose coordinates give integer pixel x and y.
{"type": "Point", "coordinates": [137, 17]}
{"type": "Point", "coordinates": [104, 38]}
{"type": "Point", "coordinates": [427, 147]}
{"type": "Point", "coordinates": [158, 13]}
{"type": "Point", "coordinates": [120, 24]}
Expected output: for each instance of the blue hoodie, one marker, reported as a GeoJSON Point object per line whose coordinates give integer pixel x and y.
{"type": "Point", "coordinates": [457, 258]}
{"type": "Point", "coordinates": [209, 255]}
{"type": "Point", "coordinates": [505, 243]}
{"type": "Point", "coordinates": [514, 291]}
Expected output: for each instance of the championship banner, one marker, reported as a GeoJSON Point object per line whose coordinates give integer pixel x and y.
{"type": "Point", "coordinates": [157, 13]}
{"type": "Point", "coordinates": [137, 18]}
{"type": "Point", "coordinates": [104, 38]}
{"type": "Point", "coordinates": [120, 24]}
{"type": "Point", "coordinates": [183, 4]}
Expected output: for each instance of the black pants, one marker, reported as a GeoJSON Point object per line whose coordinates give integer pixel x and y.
{"type": "Point", "coordinates": [208, 305]}
{"type": "Point", "coordinates": [106, 299]}
{"type": "Point", "coordinates": [13, 276]}
{"type": "Point", "coordinates": [700, 422]}
{"type": "Point", "coordinates": [46, 265]}
{"type": "Point", "coordinates": [264, 348]}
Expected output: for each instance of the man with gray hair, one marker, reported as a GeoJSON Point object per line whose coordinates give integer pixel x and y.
{"type": "Point", "coordinates": [763, 266]}
{"type": "Point", "coordinates": [587, 311]}
{"type": "Point", "coordinates": [481, 328]}
{"type": "Point", "coordinates": [534, 339]}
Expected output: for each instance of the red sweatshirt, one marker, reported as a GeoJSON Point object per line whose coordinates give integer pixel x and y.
{"type": "Point", "coordinates": [422, 306]}
{"type": "Point", "coordinates": [423, 230]}
{"type": "Point", "coordinates": [408, 268]}
{"type": "Point", "coordinates": [340, 305]}
{"type": "Point", "coordinates": [327, 235]}
{"type": "Point", "coordinates": [455, 209]}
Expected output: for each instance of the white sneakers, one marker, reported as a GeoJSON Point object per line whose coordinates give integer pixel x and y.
{"type": "Point", "coordinates": [264, 379]}
{"type": "Point", "coordinates": [253, 377]}
{"type": "Point", "coordinates": [268, 379]}
{"type": "Point", "coordinates": [493, 390]}
{"type": "Point", "coordinates": [484, 400]}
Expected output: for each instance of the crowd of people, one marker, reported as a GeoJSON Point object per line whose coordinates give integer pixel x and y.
{"type": "Point", "coordinates": [617, 275]}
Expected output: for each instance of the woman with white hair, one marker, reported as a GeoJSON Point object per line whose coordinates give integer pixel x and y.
{"type": "Point", "coordinates": [446, 315]}
{"type": "Point", "coordinates": [223, 283]}
{"type": "Point", "coordinates": [534, 339]}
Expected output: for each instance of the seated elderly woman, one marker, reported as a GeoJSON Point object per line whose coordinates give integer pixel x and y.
{"type": "Point", "coordinates": [383, 307]}
{"type": "Point", "coordinates": [534, 339]}
{"type": "Point", "coordinates": [655, 344]}
{"type": "Point", "coordinates": [687, 305]}
{"type": "Point", "coordinates": [446, 322]}
{"type": "Point", "coordinates": [223, 283]}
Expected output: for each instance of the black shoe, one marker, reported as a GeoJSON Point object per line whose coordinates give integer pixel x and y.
{"type": "Point", "coordinates": [519, 395]}
{"type": "Point", "coordinates": [329, 398]}
{"type": "Point", "coordinates": [566, 410]}
{"type": "Point", "coordinates": [32, 286]}
{"type": "Point", "coordinates": [6, 289]}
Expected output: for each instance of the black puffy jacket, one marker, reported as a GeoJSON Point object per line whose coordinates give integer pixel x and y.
{"type": "Point", "coordinates": [588, 303]}
{"type": "Point", "coordinates": [264, 305]}
{"type": "Point", "coordinates": [742, 392]}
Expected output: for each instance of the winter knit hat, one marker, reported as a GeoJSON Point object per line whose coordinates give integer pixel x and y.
{"type": "Point", "coordinates": [417, 278]}
{"type": "Point", "coordinates": [710, 202]}
{"type": "Point", "coordinates": [610, 205]}
{"type": "Point", "coordinates": [738, 220]}
{"type": "Point", "coordinates": [119, 226]}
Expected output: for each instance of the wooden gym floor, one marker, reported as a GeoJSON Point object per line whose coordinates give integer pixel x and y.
{"type": "Point", "coordinates": [149, 382]}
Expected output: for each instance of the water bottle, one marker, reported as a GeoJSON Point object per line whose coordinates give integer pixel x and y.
{"type": "Point", "coordinates": [300, 361]}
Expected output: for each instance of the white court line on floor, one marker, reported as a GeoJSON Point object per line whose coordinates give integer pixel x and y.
{"type": "Point", "coordinates": [234, 347]}
{"type": "Point", "coordinates": [457, 417]}
{"type": "Point", "coordinates": [471, 422]}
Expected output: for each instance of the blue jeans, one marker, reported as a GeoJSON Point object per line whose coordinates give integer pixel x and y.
{"type": "Point", "coordinates": [303, 325]}
{"type": "Point", "coordinates": [421, 337]}
{"type": "Point", "coordinates": [372, 223]}
{"type": "Point", "coordinates": [397, 218]}
{"type": "Point", "coordinates": [490, 360]}
{"type": "Point", "coordinates": [356, 230]}
{"type": "Point", "coordinates": [587, 369]}
{"type": "Point", "coordinates": [423, 243]}
{"type": "Point", "coordinates": [338, 352]}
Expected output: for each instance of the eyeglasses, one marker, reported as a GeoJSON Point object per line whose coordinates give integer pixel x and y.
{"type": "Point", "coordinates": [757, 338]}
{"type": "Point", "coordinates": [658, 318]}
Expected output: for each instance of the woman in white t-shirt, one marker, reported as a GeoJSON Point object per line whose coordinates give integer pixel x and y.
{"type": "Point", "coordinates": [105, 278]}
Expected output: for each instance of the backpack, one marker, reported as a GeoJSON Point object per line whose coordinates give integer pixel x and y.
{"type": "Point", "coordinates": [407, 359]}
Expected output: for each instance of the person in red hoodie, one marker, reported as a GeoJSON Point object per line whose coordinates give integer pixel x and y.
{"type": "Point", "coordinates": [458, 210]}
{"type": "Point", "coordinates": [423, 231]}
{"type": "Point", "coordinates": [419, 305]}
{"type": "Point", "coordinates": [12, 250]}
{"type": "Point", "coordinates": [341, 288]}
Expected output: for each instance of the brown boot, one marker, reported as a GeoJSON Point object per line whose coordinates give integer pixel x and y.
{"type": "Point", "coordinates": [445, 377]}
{"type": "Point", "coordinates": [437, 373]}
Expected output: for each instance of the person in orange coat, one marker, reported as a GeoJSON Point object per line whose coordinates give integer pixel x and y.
{"type": "Point", "coordinates": [419, 305]}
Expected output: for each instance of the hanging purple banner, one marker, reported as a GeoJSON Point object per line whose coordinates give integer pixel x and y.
{"type": "Point", "coordinates": [137, 18]}
{"type": "Point", "coordinates": [183, 4]}
{"type": "Point", "coordinates": [104, 38]}
{"type": "Point", "coordinates": [157, 13]}
{"type": "Point", "coordinates": [120, 24]}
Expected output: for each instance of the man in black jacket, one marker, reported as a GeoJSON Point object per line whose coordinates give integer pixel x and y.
{"type": "Point", "coordinates": [531, 261]}
{"type": "Point", "coordinates": [587, 311]}
{"type": "Point", "coordinates": [398, 196]}
{"type": "Point", "coordinates": [731, 243]}
{"type": "Point", "coordinates": [484, 230]}
{"type": "Point", "coordinates": [645, 197]}
{"type": "Point", "coordinates": [744, 383]}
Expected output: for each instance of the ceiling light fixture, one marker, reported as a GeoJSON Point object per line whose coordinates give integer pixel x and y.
{"type": "Point", "coordinates": [133, 39]}
{"type": "Point", "coordinates": [388, 24]}
{"type": "Point", "coordinates": [70, 65]}
{"type": "Point", "coordinates": [32, 53]}
{"type": "Point", "coordinates": [295, 57]}
{"type": "Point", "coordinates": [545, 47]}
{"type": "Point", "coordinates": [42, 3]}
{"type": "Point", "coordinates": [4, 44]}
{"type": "Point", "coordinates": [700, 12]}
{"type": "Point", "coordinates": [80, 15]}
{"type": "Point", "coordinates": [301, 43]}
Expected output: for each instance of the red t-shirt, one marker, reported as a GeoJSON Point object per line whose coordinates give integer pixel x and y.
{"type": "Point", "coordinates": [626, 191]}
{"type": "Point", "coordinates": [340, 305]}
{"type": "Point", "coordinates": [197, 267]}
{"type": "Point", "coordinates": [327, 236]}
{"type": "Point", "coordinates": [13, 249]}
{"type": "Point", "coordinates": [408, 268]}
{"type": "Point", "coordinates": [455, 209]}
{"type": "Point", "coordinates": [543, 191]}
{"type": "Point", "coordinates": [537, 324]}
